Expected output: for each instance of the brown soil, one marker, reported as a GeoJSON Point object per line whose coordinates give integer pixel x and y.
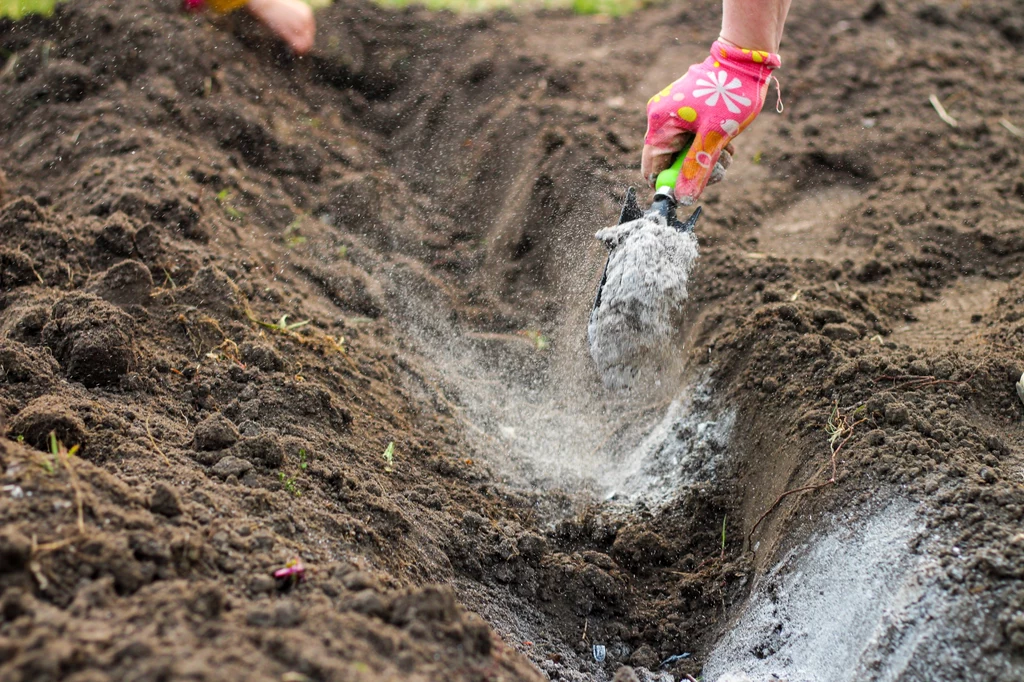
{"type": "Point", "coordinates": [424, 188]}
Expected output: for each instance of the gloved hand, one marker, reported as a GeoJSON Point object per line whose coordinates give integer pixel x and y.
{"type": "Point", "coordinates": [290, 20]}
{"type": "Point", "coordinates": [713, 102]}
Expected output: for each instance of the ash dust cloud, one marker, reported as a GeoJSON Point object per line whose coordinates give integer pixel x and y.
{"type": "Point", "coordinates": [540, 415]}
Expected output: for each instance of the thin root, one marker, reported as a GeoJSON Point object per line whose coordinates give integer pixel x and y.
{"type": "Point", "coordinates": [840, 431]}
{"type": "Point", "coordinates": [941, 111]}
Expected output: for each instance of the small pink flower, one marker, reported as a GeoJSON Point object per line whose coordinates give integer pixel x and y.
{"type": "Point", "coordinates": [720, 85]}
{"type": "Point", "coordinates": [293, 570]}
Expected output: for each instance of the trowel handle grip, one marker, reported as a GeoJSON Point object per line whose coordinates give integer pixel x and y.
{"type": "Point", "coordinates": [665, 184]}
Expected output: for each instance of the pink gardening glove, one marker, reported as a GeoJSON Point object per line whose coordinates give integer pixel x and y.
{"type": "Point", "coordinates": [713, 102]}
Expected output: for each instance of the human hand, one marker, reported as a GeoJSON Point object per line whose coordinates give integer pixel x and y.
{"type": "Point", "coordinates": [290, 20]}
{"type": "Point", "coordinates": [711, 104]}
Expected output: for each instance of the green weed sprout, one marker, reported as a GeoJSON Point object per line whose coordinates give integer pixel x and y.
{"type": "Point", "coordinates": [281, 325]}
{"type": "Point", "coordinates": [289, 484]}
{"type": "Point", "coordinates": [47, 463]}
{"type": "Point", "coordinates": [389, 457]}
{"type": "Point", "coordinates": [224, 199]}
{"type": "Point", "coordinates": [292, 238]}
{"type": "Point", "coordinates": [539, 341]}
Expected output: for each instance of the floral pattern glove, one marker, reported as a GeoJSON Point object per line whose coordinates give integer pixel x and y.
{"type": "Point", "coordinates": [713, 102]}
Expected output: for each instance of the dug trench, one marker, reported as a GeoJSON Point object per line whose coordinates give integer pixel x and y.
{"type": "Point", "coordinates": [179, 197]}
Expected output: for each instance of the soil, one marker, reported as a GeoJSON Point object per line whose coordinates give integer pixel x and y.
{"type": "Point", "coordinates": [180, 196]}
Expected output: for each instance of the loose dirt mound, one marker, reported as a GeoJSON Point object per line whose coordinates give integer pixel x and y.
{"type": "Point", "coordinates": [180, 198]}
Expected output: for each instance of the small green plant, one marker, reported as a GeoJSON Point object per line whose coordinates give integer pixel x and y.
{"type": "Point", "coordinates": [289, 484]}
{"type": "Point", "coordinates": [20, 439]}
{"type": "Point", "coordinates": [539, 341]}
{"type": "Point", "coordinates": [224, 199]}
{"type": "Point", "coordinates": [389, 457]}
{"type": "Point", "coordinates": [282, 325]}
{"type": "Point", "coordinates": [48, 463]}
{"type": "Point", "coordinates": [61, 455]}
{"type": "Point", "coordinates": [343, 252]}
{"type": "Point", "coordinates": [292, 238]}
{"type": "Point", "coordinates": [169, 280]}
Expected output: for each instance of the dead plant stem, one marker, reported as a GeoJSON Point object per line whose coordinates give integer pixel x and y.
{"type": "Point", "coordinates": [167, 460]}
{"type": "Point", "coordinates": [73, 476]}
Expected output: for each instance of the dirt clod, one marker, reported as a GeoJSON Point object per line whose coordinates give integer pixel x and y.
{"type": "Point", "coordinates": [263, 450]}
{"type": "Point", "coordinates": [93, 340]}
{"type": "Point", "coordinates": [15, 551]}
{"type": "Point", "coordinates": [46, 414]}
{"type": "Point", "coordinates": [165, 500]}
{"type": "Point", "coordinates": [262, 356]}
{"type": "Point", "coordinates": [639, 549]}
{"type": "Point", "coordinates": [231, 466]}
{"type": "Point", "coordinates": [216, 432]}
{"type": "Point", "coordinates": [127, 283]}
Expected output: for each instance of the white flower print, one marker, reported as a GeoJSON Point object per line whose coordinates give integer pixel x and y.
{"type": "Point", "coordinates": [718, 86]}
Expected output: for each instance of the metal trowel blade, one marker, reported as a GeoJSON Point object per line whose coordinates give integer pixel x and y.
{"type": "Point", "coordinates": [630, 211]}
{"type": "Point", "coordinates": [690, 223]}
{"type": "Point", "coordinates": [630, 207]}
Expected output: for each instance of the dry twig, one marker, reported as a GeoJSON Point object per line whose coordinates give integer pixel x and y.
{"type": "Point", "coordinates": [65, 456]}
{"type": "Point", "coordinates": [920, 380]}
{"type": "Point", "coordinates": [167, 460]}
{"type": "Point", "coordinates": [840, 430]}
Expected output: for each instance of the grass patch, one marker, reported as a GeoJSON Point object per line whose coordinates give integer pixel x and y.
{"type": "Point", "coordinates": [16, 9]}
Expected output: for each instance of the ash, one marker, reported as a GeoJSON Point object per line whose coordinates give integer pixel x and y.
{"type": "Point", "coordinates": [642, 298]}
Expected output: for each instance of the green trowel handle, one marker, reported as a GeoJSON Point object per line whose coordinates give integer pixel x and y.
{"type": "Point", "coordinates": [666, 182]}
